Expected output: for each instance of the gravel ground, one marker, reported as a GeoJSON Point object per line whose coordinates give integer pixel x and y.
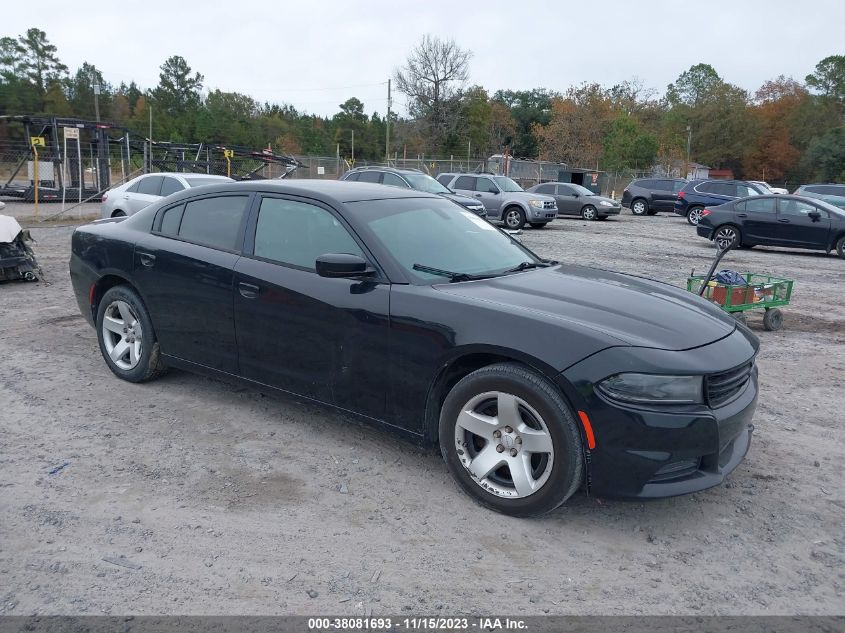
{"type": "Point", "coordinates": [191, 496]}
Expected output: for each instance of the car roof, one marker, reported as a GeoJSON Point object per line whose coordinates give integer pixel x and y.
{"type": "Point", "coordinates": [185, 174]}
{"type": "Point", "coordinates": [396, 170]}
{"type": "Point", "coordinates": [340, 191]}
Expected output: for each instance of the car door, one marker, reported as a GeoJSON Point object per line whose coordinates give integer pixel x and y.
{"type": "Point", "coordinates": [758, 220]}
{"type": "Point", "coordinates": [184, 270]}
{"type": "Point", "coordinates": [663, 195]}
{"type": "Point", "coordinates": [321, 338]}
{"type": "Point", "coordinates": [487, 191]}
{"type": "Point", "coordinates": [567, 202]}
{"type": "Point", "coordinates": [797, 227]}
{"type": "Point", "coordinates": [148, 192]}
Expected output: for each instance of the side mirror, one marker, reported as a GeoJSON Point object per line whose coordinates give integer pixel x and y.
{"type": "Point", "coordinates": [337, 265]}
{"type": "Point", "coordinates": [576, 195]}
{"type": "Point", "coordinates": [815, 216]}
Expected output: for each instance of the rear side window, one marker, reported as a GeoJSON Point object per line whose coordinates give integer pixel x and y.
{"type": "Point", "coordinates": [150, 185]}
{"type": "Point", "coordinates": [170, 185]}
{"type": "Point", "coordinates": [719, 188]}
{"type": "Point", "coordinates": [466, 183]}
{"type": "Point", "coordinates": [677, 185]}
{"type": "Point", "coordinates": [664, 185]}
{"type": "Point", "coordinates": [370, 176]}
{"type": "Point", "coordinates": [214, 222]}
{"type": "Point", "coordinates": [394, 180]}
{"type": "Point", "coordinates": [549, 189]}
{"type": "Point", "coordinates": [762, 205]}
{"type": "Point", "coordinates": [746, 190]}
{"type": "Point", "coordinates": [352, 177]}
{"type": "Point", "coordinates": [171, 219]}
{"type": "Point", "coordinates": [646, 184]}
{"type": "Point", "coordinates": [297, 233]}
{"type": "Point", "coordinates": [134, 188]}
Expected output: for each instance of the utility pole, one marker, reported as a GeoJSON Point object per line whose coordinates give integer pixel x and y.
{"type": "Point", "coordinates": [387, 127]}
{"type": "Point", "coordinates": [353, 148]}
{"type": "Point", "coordinates": [151, 138]}
{"type": "Point", "coordinates": [689, 143]}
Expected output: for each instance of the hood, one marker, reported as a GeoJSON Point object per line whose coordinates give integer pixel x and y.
{"type": "Point", "coordinates": [600, 199]}
{"type": "Point", "coordinates": [632, 310]}
{"type": "Point", "coordinates": [9, 229]}
{"type": "Point", "coordinates": [527, 195]}
{"type": "Point", "coordinates": [462, 200]}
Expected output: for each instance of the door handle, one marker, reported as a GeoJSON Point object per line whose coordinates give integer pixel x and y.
{"type": "Point", "coordinates": [784, 220]}
{"type": "Point", "coordinates": [477, 195]}
{"type": "Point", "coordinates": [742, 215]}
{"type": "Point", "coordinates": [147, 259]}
{"type": "Point", "coordinates": [248, 291]}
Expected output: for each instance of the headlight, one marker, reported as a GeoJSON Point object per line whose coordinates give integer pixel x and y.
{"type": "Point", "coordinates": [475, 207]}
{"type": "Point", "coordinates": [606, 203]}
{"type": "Point", "coordinates": [536, 203]}
{"type": "Point", "coordinates": [650, 388]}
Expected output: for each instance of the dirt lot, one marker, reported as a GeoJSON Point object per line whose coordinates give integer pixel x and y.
{"type": "Point", "coordinates": [188, 495]}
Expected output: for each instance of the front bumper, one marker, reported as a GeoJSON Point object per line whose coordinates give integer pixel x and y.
{"type": "Point", "coordinates": [605, 211]}
{"type": "Point", "coordinates": [651, 452]}
{"type": "Point", "coordinates": [682, 211]}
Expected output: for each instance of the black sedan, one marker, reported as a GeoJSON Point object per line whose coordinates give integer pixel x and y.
{"type": "Point", "coordinates": [398, 308]}
{"type": "Point", "coordinates": [778, 220]}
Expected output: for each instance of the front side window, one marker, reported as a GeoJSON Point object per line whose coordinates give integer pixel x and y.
{"type": "Point", "coordinates": [296, 233]}
{"type": "Point", "coordinates": [423, 182]}
{"type": "Point", "coordinates": [467, 183]}
{"type": "Point", "coordinates": [394, 181]}
{"type": "Point", "coordinates": [506, 184]}
{"type": "Point", "coordinates": [214, 222]}
{"type": "Point", "coordinates": [150, 185]}
{"type": "Point", "coordinates": [438, 234]}
{"type": "Point", "coordinates": [485, 185]}
{"type": "Point", "coordinates": [170, 185]}
{"type": "Point", "coordinates": [370, 176]}
{"type": "Point", "coordinates": [796, 208]}
{"type": "Point", "coordinates": [565, 190]}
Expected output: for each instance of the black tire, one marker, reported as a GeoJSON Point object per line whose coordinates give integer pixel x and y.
{"type": "Point", "coordinates": [840, 247]}
{"type": "Point", "coordinates": [514, 218]}
{"type": "Point", "coordinates": [537, 225]}
{"type": "Point", "coordinates": [567, 464]}
{"type": "Point", "coordinates": [588, 212]}
{"type": "Point", "coordinates": [694, 215]}
{"type": "Point", "coordinates": [652, 212]}
{"type": "Point", "coordinates": [118, 214]}
{"type": "Point", "coordinates": [149, 364]}
{"type": "Point", "coordinates": [727, 234]}
{"type": "Point", "coordinates": [772, 319]}
{"type": "Point", "coordinates": [639, 206]}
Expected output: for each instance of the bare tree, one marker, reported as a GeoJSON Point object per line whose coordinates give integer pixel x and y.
{"type": "Point", "coordinates": [432, 78]}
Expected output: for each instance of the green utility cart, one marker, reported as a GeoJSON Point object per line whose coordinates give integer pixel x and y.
{"type": "Point", "coordinates": [760, 292]}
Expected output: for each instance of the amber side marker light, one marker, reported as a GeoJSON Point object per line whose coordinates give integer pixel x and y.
{"type": "Point", "coordinates": [588, 429]}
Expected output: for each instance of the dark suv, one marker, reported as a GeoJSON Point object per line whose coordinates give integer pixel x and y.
{"type": "Point", "coordinates": [412, 179]}
{"type": "Point", "coordinates": [698, 194]}
{"type": "Point", "coordinates": [650, 195]}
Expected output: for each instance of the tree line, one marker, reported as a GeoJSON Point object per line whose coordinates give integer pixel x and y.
{"type": "Point", "coordinates": [786, 131]}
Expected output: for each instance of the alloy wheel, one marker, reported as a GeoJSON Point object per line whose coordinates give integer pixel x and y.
{"type": "Point", "coordinates": [588, 213]}
{"type": "Point", "coordinates": [694, 216]}
{"type": "Point", "coordinates": [638, 208]}
{"type": "Point", "coordinates": [122, 335]}
{"type": "Point", "coordinates": [504, 444]}
{"type": "Point", "coordinates": [513, 219]}
{"type": "Point", "coordinates": [725, 236]}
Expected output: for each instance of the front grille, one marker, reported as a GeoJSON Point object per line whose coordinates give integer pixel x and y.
{"type": "Point", "coordinates": [549, 204]}
{"type": "Point", "coordinates": [676, 470]}
{"type": "Point", "coordinates": [724, 386]}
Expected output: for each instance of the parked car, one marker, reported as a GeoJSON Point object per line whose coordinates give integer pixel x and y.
{"type": "Point", "coordinates": [397, 308]}
{"type": "Point", "coordinates": [574, 199]}
{"type": "Point", "coordinates": [648, 196]}
{"type": "Point", "coordinates": [781, 220]}
{"type": "Point", "coordinates": [412, 179]}
{"type": "Point", "coordinates": [698, 194]}
{"type": "Point", "coordinates": [768, 188]}
{"type": "Point", "coordinates": [135, 194]}
{"type": "Point", "coordinates": [834, 194]}
{"type": "Point", "coordinates": [504, 200]}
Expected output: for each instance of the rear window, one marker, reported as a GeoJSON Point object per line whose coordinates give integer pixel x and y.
{"type": "Point", "coordinates": [827, 190]}
{"type": "Point", "coordinates": [199, 182]}
{"type": "Point", "coordinates": [150, 185]}
{"type": "Point", "coordinates": [214, 222]}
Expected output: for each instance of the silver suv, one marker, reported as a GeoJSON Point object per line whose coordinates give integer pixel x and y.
{"type": "Point", "coordinates": [503, 199]}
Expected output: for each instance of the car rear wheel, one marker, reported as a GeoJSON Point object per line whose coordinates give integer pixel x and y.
{"type": "Point", "coordinates": [511, 441]}
{"type": "Point", "coordinates": [514, 218]}
{"type": "Point", "coordinates": [589, 212]}
{"type": "Point", "coordinates": [118, 214]}
{"type": "Point", "coordinates": [639, 207]}
{"type": "Point", "coordinates": [694, 215]}
{"type": "Point", "coordinates": [840, 246]}
{"type": "Point", "coordinates": [727, 236]}
{"type": "Point", "coordinates": [126, 336]}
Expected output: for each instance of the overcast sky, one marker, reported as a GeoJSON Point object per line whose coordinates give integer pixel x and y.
{"type": "Point", "coordinates": [315, 54]}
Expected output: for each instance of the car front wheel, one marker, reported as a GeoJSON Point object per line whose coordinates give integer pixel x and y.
{"type": "Point", "coordinates": [511, 441]}
{"type": "Point", "coordinates": [840, 246]}
{"type": "Point", "coordinates": [126, 336]}
{"type": "Point", "coordinates": [694, 215]}
{"type": "Point", "coordinates": [514, 218]}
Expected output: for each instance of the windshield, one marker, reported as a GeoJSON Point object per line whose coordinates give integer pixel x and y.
{"type": "Point", "coordinates": [506, 184]}
{"type": "Point", "coordinates": [199, 182]}
{"type": "Point", "coordinates": [582, 191]}
{"type": "Point", "coordinates": [421, 182]}
{"type": "Point", "coordinates": [438, 234]}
